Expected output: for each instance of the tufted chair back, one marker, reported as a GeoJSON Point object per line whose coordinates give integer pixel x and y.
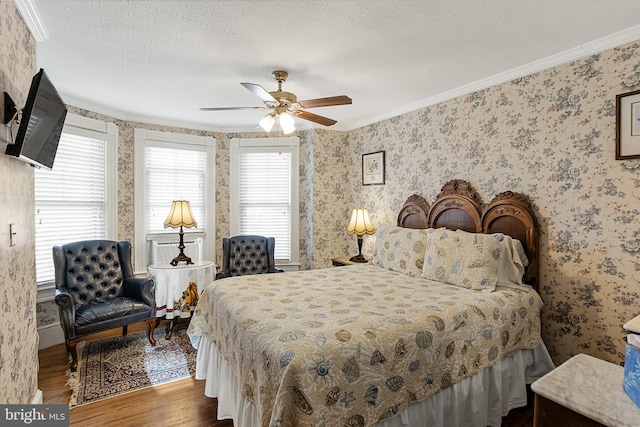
{"type": "Point", "coordinates": [96, 291]}
{"type": "Point", "coordinates": [93, 271]}
{"type": "Point", "coordinates": [243, 255]}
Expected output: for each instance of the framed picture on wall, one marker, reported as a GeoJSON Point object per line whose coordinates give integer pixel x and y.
{"type": "Point", "coordinates": [628, 125]}
{"type": "Point", "coordinates": [373, 168]}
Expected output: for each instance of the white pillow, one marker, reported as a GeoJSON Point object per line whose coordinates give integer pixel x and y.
{"type": "Point", "coordinates": [512, 262]}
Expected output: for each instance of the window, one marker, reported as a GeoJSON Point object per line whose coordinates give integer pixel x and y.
{"type": "Point", "coordinates": [77, 199]}
{"type": "Point", "coordinates": [264, 193]}
{"type": "Point", "coordinates": [169, 167]}
{"type": "Point", "coordinates": [174, 174]}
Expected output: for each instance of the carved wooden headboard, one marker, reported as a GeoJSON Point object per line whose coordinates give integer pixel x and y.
{"type": "Point", "coordinates": [458, 206]}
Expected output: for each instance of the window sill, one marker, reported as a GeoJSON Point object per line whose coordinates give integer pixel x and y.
{"type": "Point", "coordinates": [289, 267]}
{"type": "Point", "coordinates": [46, 292]}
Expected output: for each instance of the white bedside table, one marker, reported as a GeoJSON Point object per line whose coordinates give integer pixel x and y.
{"type": "Point", "coordinates": [584, 391]}
{"type": "Point", "coordinates": [633, 325]}
{"type": "Point", "coordinates": [171, 284]}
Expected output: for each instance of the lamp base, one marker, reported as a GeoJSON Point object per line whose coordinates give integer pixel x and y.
{"type": "Point", "coordinates": [181, 257]}
{"type": "Point", "coordinates": [358, 258]}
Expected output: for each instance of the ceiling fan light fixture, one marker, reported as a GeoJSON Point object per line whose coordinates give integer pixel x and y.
{"type": "Point", "coordinates": [267, 122]}
{"type": "Point", "coordinates": [286, 122]}
{"type": "Point", "coordinates": [285, 105]}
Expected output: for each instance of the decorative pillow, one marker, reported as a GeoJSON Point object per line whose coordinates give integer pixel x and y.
{"type": "Point", "coordinates": [400, 249]}
{"type": "Point", "coordinates": [468, 260]}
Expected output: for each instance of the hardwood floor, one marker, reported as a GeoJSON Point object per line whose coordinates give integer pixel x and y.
{"type": "Point", "coordinates": [179, 403]}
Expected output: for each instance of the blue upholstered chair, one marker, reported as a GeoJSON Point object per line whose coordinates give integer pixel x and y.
{"type": "Point", "coordinates": [242, 255]}
{"type": "Point", "coordinates": [96, 291]}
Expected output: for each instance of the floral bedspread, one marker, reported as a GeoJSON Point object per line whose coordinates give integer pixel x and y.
{"type": "Point", "coordinates": [355, 345]}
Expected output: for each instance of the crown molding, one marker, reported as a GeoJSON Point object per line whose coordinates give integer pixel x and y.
{"type": "Point", "coordinates": [605, 43]}
{"type": "Point", "coordinates": [137, 118]}
{"type": "Point", "coordinates": [32, 19]}
{"type": "Point", "coordinates": [609, 42]}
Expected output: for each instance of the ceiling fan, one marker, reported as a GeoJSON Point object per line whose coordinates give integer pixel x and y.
{"type": "Point", "coordinates": [285, 105]}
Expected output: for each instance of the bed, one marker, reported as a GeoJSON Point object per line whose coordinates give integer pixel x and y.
{"type": "Point", "coordinates": [430, 332]}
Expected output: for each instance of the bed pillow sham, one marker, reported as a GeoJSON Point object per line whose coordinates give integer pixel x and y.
{"type": "Point", "coordinates": [400, 249]}
{"type": "Point", "coordinates": [460, 258]}
{"type": "Point", "coordinates": [512, 262]}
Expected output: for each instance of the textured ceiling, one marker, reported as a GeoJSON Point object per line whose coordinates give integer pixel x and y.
{"type": "Point", "coordinates": [159, 61]}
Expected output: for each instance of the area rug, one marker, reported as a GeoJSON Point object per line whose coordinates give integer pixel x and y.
{"type": "Point", "coordinates": [117, 365]}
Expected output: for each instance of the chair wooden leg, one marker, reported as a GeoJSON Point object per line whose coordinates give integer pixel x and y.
{"type": "Point", "coordinates": [152, 327]}
{"type": "Point", "coordinates": [71, 345]}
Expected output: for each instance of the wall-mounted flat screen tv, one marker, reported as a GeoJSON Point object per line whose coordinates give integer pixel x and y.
{"type": "Point", "coordinates": [41, 122]}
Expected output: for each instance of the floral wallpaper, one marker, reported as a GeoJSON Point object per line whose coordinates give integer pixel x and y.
{"type": "Point", "coordinates": [18, 334]}
{"type": "Point", "coordinates": [549, 135]}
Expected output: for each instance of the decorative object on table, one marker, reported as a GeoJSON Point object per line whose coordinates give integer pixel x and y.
{"type": "Point", "coordinates": [116, 365]}
{"type": "Point", "coordinates": [244, 255]}
{"type": "Point", "coordinates": [628, 125]}
{"type": "Point", "coordinates": [360, 224]}
{"type": "Point", "coordinates": [180, 216]}
{"type": "Point", "coordinates": [373, 168]}
{"type": "Point", "coordinates": [96, 291]}
{"type": "Point", "coordinates": [190, 295]}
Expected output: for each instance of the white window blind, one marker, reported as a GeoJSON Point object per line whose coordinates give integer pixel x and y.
{"type": "Point", "coordinates": [172, 166]}
{"type": "Point", "coordinates": [174, 174]}
{"type": "Point", "coordinates": [265, 197]}
{"type": "Point", "coordinates": [264, 193]}
{"type": "Point", "coordinates": [71, 199]}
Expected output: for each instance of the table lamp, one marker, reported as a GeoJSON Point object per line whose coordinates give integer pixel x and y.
{"type": "Point", "coordinates": [360, 225]}
{"type": "Point", "coordinates": [180, 216]}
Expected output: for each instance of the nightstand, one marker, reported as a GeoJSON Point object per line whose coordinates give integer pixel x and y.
{"type": "Point", "coordinates": [633, 325]}
{"type": "Point", "coordinates": [583, 391]}
{"type": "Point", "coordinates": [344, 260]}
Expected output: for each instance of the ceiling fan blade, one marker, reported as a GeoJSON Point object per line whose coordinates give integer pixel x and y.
{"type": "Point", "coordinates": [314, 118]}
{"type": "Point", "coordinates": [325, 102]}
{"type": "Point", "coordinates": [231, 108]}
{"type": "Point", "coordinates": [260, 92]}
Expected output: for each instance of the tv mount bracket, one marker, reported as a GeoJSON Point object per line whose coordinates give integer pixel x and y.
{"type": "Point", "coordinates": [10, 115]}
{"type": "Point", "coordinates": [10, 109]}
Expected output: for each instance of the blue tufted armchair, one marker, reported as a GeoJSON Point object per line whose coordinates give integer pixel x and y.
{"type": "Point", "coordinates": [242, 255]}
{"type": "Point", "coordinates": [96, 291]}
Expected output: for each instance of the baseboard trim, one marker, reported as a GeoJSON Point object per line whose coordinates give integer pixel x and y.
{"type": "Point", "coordinates": [37, 399]}
{"type": "Point", "coordinates": [50, 335]}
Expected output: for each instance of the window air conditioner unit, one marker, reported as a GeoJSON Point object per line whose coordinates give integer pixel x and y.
{"type": "Point", "coordinates": [164, 250]}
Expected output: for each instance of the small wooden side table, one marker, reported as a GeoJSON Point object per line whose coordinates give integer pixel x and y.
{"type": "Point", "coordinates": [583, 392]}
{"type": "Point", "coordinates": [344, 260]}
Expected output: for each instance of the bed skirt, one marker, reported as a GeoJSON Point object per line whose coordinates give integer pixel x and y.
{"type": "Point", "coordinates": [480, 400]}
